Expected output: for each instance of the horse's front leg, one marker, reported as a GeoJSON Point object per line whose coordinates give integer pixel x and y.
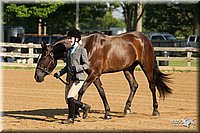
{"type": "Point", "coordinates": [90, 79]}
{"type": "Point", "coordinates": [82, 91]}
{"type": "Point", "coordinates": [100, 89]}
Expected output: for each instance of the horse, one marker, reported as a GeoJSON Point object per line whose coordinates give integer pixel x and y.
{"type": "Point", "coordinates": [109, 54]}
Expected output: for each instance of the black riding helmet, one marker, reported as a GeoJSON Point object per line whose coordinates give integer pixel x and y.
{"type": "Point", "coordinates": [74, 33]}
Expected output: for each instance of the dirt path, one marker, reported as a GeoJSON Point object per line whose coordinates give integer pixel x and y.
{"type": "Point", "coordinates": [28, 105]}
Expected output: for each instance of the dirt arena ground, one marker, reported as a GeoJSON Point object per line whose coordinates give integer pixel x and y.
{"type": "Point", "coordinates": [31, 106]}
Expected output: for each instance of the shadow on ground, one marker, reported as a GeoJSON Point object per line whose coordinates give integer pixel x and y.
{"type": "Point", "coordinates": [48, 114]}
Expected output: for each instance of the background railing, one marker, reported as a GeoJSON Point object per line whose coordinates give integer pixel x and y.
{"type": "Point", "coordinates": [187, 50]}
{"type": "Point", "coordinates": [14, 50]}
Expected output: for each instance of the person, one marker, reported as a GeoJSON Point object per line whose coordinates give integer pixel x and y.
{"type": "Point", "coordinates": [77, 62]}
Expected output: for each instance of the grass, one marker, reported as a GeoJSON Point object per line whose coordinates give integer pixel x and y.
{"type": "Point", "coordinates": [16, 67]}
{"type": "Point", "coordinates": [194, 63]}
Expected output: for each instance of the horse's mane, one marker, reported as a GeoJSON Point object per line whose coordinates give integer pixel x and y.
{"type": "Point", "coordinates": [60, 39]}
{"type": "Point", "coordinates": [59, 46]}
{"type": "Point", "coordinates": [99, 33]}
{"type": "Point", "coordinates": [84, 35]}
{"type": "Point", "coordinates": [95, 32]}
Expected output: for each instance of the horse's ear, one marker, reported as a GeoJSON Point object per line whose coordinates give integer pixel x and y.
{"type": "Point", "coordinates": [44, 45]}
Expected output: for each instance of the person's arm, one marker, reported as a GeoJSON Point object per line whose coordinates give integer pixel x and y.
{"type": "Point", "coordinates": [63, 70]}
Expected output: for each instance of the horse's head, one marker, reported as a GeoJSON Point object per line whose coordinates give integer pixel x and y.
{"type": "Point", "coordinates": [46, 62]}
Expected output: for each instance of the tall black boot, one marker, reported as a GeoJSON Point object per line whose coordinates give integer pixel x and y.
{"type": "Point", "coordinates": [71, 108]}
{"type": "Point", "coordinates": [77, 114]}
{"type": "Point", "coordinates": [84, 107]}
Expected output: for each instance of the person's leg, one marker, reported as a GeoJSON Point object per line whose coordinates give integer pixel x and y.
{"type": "Point", "coordinates": [71, 108]}
{"type": "Point", "coordinates": [83, 106]}
{"type": "Point", "coordinates": [72, 93]}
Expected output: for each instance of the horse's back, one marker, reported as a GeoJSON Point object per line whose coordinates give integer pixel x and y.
{"type": "Point", "coordinates": [114, 53]}
{"type": "Point", "coordinates": [141, 44]}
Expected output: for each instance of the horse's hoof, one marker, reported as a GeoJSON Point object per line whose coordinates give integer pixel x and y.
{"type": "Point", "coordinates": [156, 113]}
{"type": "Point", "coordinates": [127, 111]}
{"type": "Point", "coordinates": [107, 117]}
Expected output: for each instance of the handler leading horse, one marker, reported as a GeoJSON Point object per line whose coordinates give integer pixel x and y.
{"type": "Point", "coordinates": [109, 54]}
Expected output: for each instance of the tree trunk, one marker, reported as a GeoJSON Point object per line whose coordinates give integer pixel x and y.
{"type": "Point", "coordinates": [128, 14]}
{"type": "Point", "coordinates": [139, 10]}
{"type": "Point", "coordinates": [132, 15]}
{"type": "Point", "coordinates": [197, 19]}
{"type": "Point", "coordinates": [135, 18]}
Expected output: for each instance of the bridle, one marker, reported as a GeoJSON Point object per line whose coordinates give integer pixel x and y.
{"type": "Point", "coordinates": [46, 70]}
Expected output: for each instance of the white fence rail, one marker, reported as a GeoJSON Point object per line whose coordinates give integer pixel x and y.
{"type": "Point", "coordinates": [188, 50]}
{"type": "Point", "coordinates": [31, 55]}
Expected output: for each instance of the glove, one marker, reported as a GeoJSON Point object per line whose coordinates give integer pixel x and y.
{"type": "Point", "coordinates": [56, 75]}
{"type": "Point", "coordinates": [73, 69]}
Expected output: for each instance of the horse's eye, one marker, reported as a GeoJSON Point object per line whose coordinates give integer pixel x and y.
{"type": "Point", "coordinates": [44, 58]}
{"type": "Point", "coordinates": [51, 54]}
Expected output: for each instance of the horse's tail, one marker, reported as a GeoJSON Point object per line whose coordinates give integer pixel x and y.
{"type": "Point", "coordinates": [161, 80]}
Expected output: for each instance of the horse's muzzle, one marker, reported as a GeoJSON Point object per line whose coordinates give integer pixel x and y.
{"type": "Point", "coordinates": [39, 79]}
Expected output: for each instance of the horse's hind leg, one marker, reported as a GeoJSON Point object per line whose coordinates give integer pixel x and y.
{"type": "Point", "coordinates": [133, 87]}
{"type": "Point", "coordinates": [155, 103]}
{"type": "Point", "coordinates": [100, 89]}
{"type": "Point", "coordinates": [153, 91]}
{"type": "Point", "coordinates": [148, 70]}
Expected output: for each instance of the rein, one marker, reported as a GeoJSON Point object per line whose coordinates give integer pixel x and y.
{"type": "Point", "coordinates": [49, 73]}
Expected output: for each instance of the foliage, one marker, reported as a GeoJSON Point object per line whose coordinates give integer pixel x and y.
{"type": "Point", "coordinates": [109, 21]}
{"type": "Point", "coordinates": [91, 16]}
{"type": "Point", "coordinates": [175, 19]}
{"type": "Point", "coordinates": [98, 16]}
{"type": "Point", "coordinates": [62, 19]}
{"type": "Point", "coordinates": [27, 15]}
{"type": "Point", "coordinates": [39, 10]}
{"type": "Point", "coordinates": [131, 14]}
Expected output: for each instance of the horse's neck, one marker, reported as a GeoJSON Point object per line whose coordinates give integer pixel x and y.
{"type": "Point", "coordinates": [59, 55]}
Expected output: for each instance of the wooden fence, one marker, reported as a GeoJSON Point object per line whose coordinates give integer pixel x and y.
{"type": "Point", "coordinates": [15, 53]}
{"type": "Point", "coordinates": [188, 50]}
{"type": "Point", "coordinates": [31, 55]}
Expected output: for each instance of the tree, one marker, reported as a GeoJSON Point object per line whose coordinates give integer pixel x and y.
{"type": "Point", "coordinates": [27, 10]}
{"type": "Point", "coordinates": [13, 12]}
{"type": "Point", "coordinates": [109, 21]}
{"type": "Point", "coordinates": [58, 17]}
{"type": "Point", "coordinates": [130, 12]}
{"type": "Point", "coordinates": [90, 15]}
{"type": "Point", "coordinates": [176, 19]}
{"type": "Point", "coordinates": [98, 16]}
{"type": "Point", "coordinates": [197, 19]}
{"type": "Point", "coordinates": [62, 20]}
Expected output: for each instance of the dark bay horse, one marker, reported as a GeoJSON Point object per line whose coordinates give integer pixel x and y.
{"type": "Point", "coordinates": [108, 54]}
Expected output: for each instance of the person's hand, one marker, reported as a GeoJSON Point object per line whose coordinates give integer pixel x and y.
{"type": "Point", "coordinates": [56, 75]}
{"type": "Point", "coordinates": [73, 69]}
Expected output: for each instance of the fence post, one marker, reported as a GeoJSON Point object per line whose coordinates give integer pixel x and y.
{"type": "Point", "coordinates": [30, 60]}
{"type": "Point", "coordinates": [189, 55]}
